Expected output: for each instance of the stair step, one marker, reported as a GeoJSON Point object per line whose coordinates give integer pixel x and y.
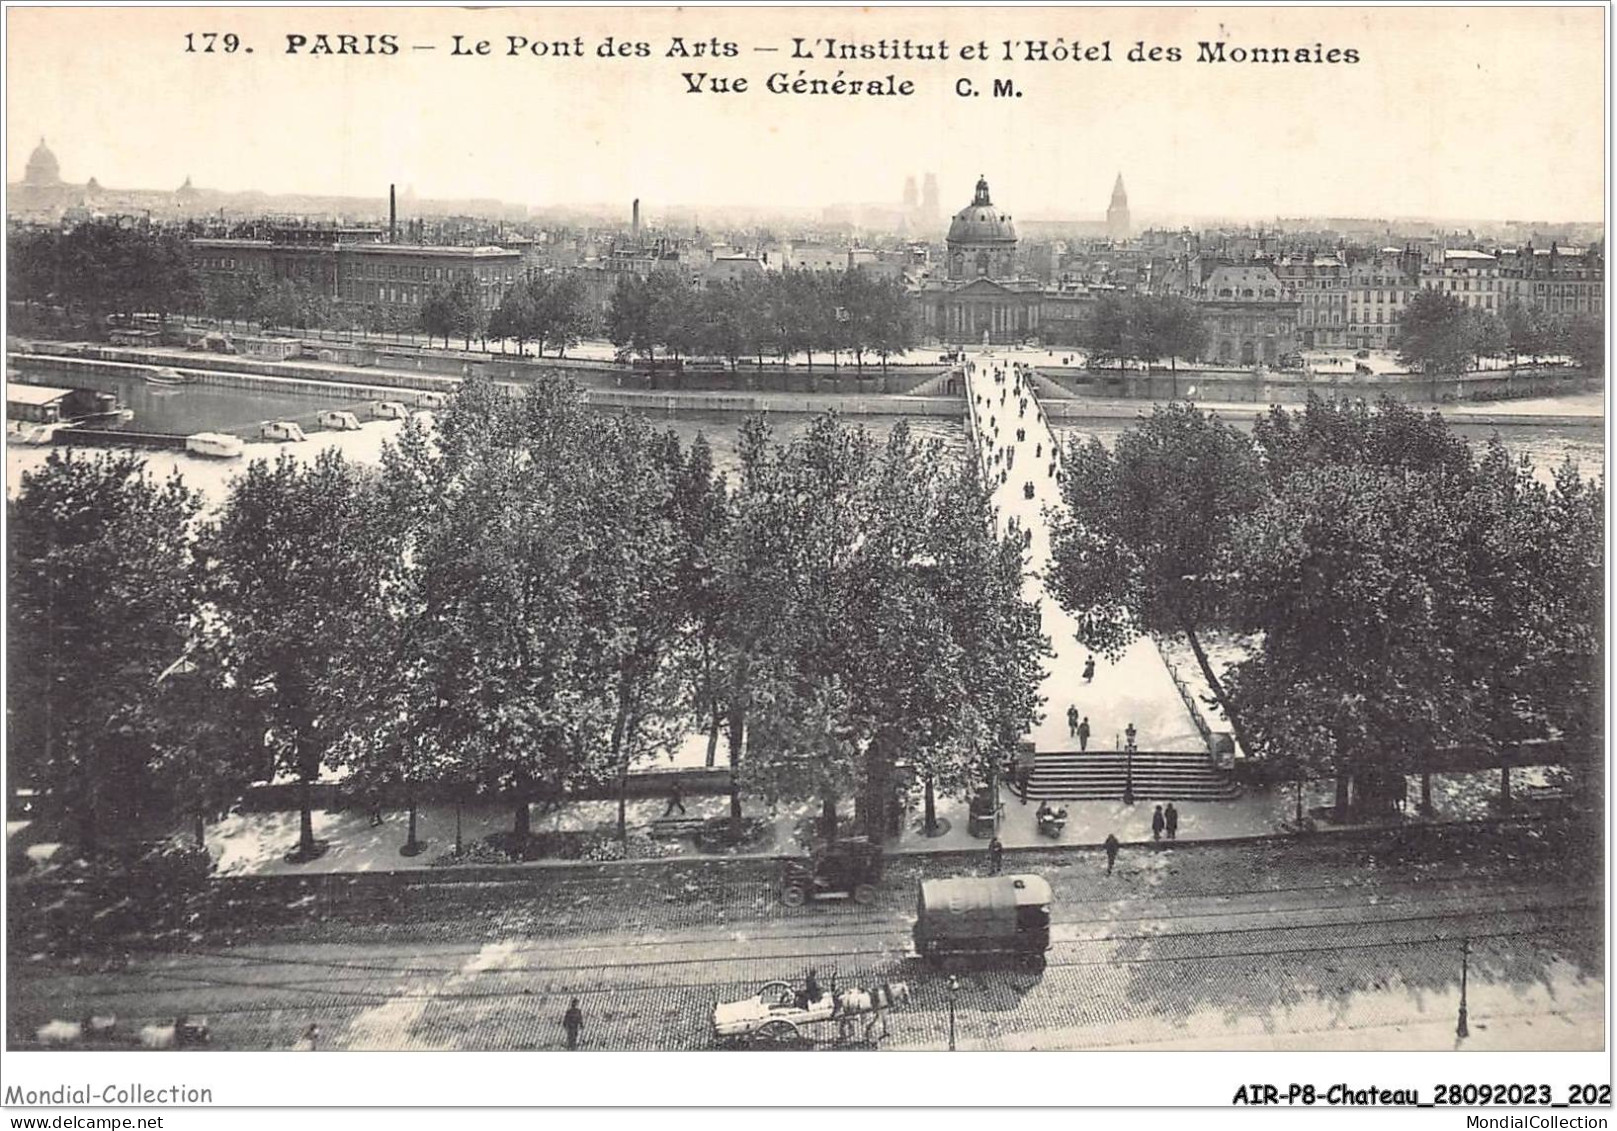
{"type": "Point", "coordinates": [1102, 775]}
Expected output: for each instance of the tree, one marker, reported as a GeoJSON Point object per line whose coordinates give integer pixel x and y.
{"type": "Point", "coordinates": [100, 606]}
{"type": "Point", "coordinates": [1529, 331]}
{"type": "Point", "coordinates": [467, 316]}
{"type": "Point", "coordinates": [1491, 336]}
{"type": "Point", "coordinates": [437, 316]}
{"type": "Point", "coordinates": [878, 618]}
{"type": "Point", "coordinates": [1109, 336]}
{"type": "Point", "coordinates": [1583, 337]}
{"type": "Point", "coordinates": [1412, 596]}
{"type": "Point", "coordinates": [294, 567]}
{"type": "Point", "coordinates": [634, 600]}
{"type": "Point", "coordinates": [628, 316]}
{"type": "Point", "coordinates": [561, 314]}
{"type": "Point", "coordinates": [1140, 545]}
{"type": "Point", "coordinates": [1349, 572]}
{"type": "Point", "coordinates": [515, 316]}
{"type": "Point", "coordinates": [32, 264]}
{"type": "Point", "coordinates": [892, 324]}
{"type": "Point", "coordinates": [702, 511]}
{"type": "Point", "coordinates": [507, 670]}
{"type": "Point", "coordinates": [1437, 336]}
{"type": "Point", "coordinates": [1180, 330]}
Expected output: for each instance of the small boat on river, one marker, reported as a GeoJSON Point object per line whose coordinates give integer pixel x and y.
{"type": "Point", "coordinates": [165, 375]}
{"type": "Point", "coordinates": [218, 445]}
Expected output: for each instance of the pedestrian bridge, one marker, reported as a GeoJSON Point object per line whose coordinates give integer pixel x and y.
{"type": "Point", "coordinates": [1019, 456]}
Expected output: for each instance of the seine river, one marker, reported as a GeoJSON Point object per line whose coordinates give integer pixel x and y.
{"type": "Point", "coordinates": [203, 408]}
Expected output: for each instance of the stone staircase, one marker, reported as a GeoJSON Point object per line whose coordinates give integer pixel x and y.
{"type": "Point", "coordinates": [1099, 775]}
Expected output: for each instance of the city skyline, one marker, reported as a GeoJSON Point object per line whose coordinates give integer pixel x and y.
{"type": "Point", "coordinates": [1232, 142]}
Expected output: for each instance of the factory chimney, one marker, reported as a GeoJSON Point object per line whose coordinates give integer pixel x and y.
{"type": "Point", "coordinates": [637, 218]}
{"type": "Point", "coordinates": [392, 214]}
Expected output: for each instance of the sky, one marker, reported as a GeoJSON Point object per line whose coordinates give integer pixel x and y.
{"type": "Point", "coordinates": [1481, 113]}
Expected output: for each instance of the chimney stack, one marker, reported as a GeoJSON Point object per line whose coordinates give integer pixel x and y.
{"type": "Point", "coordinates": [637, 217]}
{"type": "Point", "coordinates": [392, 214]}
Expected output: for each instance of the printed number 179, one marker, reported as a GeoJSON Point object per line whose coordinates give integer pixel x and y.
{"type": "Point", "coordinates": [207, 42]}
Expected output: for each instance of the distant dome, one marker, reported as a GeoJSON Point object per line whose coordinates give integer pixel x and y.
{"type": "Point", "coordinates": [42, 168]}
{"type": "Point", "coordinates": [980, 222]}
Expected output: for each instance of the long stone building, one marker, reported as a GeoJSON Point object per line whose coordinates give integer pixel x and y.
{"type": "Point", "coordinates": [356, 267]}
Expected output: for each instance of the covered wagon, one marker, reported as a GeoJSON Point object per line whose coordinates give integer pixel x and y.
{"type": "Point", "coordinates": [984, 916]}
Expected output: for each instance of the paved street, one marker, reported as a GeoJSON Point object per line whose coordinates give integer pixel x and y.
{"type": "Point", "coordinates": [1323, 944]}
{"type": "Point", "coordinates": [1136, 688]}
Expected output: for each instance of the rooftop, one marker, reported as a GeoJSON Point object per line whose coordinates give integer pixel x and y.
{"type": "Point", "coordinates": [368, 248]}
{"type": "Point", "coordinates": [34, 394]}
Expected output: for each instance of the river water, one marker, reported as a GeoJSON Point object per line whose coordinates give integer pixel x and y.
{"type": "Point", "coordinates": [197, 408]}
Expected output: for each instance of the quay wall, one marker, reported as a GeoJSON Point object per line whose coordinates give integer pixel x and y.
{"type": "Point", "coordinates": [1288, 387]}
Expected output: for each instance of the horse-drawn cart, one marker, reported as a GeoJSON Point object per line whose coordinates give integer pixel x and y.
{"type": "Point", "coordinates": [780, 1015]}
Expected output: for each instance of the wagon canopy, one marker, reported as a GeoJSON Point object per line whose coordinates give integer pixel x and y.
{"type": "Point", "coordinates": [975, 906]}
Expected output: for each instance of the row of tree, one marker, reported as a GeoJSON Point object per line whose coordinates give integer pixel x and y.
{"type": "Point", "coordinates": [523, 603]}
{"type": "Point", "coordinates": [101, 269]}
{"type": "Point", "coordinates": [1399, 592]}
{"type": "Point", "coordinates": [1440, 335]}
{"type": "Point", "coordinates": [779, 313]}
{"type": "Point", "coordinates": [1144, 328]}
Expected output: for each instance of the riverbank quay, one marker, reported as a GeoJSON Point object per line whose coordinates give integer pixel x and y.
{"type": "Point", "coordinates": [440, 369]}
{"type": "Point", "coordinates": [321, 380]}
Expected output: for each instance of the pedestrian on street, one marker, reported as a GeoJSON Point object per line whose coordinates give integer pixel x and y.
{"type": "Point", "coordinates": [1083, 735]}
{"type": "Point", "coordinates": [1111, 851]}
{"type": "Point", "coordinates": [675, 801]}
{"type": "Point", "coordinates": [1170, 817]}
{"type": "Point", "coordinates": [1158, 821]}
{"type": "Point", "coordinates": [1089, 669]}
{"type": "Point", "coordinates": [996, 853]}
{"type": "Point", "coordinates": [1072, 722]}
{"type": "Point", "coordinates": [1128, 738]}
{"type": "Point", "coordinates": [573, 1022]}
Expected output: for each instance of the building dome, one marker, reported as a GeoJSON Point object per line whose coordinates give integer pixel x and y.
{"type": "Point", "coordinates": [42, 168]}
{"type": "Point", "coordinates": [980, 222]}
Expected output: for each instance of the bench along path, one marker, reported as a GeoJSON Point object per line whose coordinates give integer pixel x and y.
{"type": "Point", "coordinates": [1137, 687]}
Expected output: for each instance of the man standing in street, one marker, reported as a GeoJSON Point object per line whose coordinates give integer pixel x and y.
{"type": "Point", "coordinates": [1158, 823]}
{"type": "Point", "coordinates": [573, 1022]}
{"type": "Point", "coordinates": [1083, 735]}
{"type": "Point", "coordinates": [1111, 851]}
{"type": "Point", "coordinates": [1170, 817]}
{"type": "Point", "coordinates": [1072, 721]}
{"type": "Point", "coordinates": [996, 853]}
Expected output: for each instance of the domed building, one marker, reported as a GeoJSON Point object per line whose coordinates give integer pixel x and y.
{"type": "Point", "coordinates": [982, 240]}
{"type": "Point", "coordinates": [43, 170]}
{"type": "Point", "coordinates": [982, 296]}
{"type": "Point", "coordinates": [42, 194]}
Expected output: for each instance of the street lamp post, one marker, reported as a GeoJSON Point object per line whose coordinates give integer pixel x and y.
{"type": "Point", "coordinates": [1128, 770]}
{"type": "Point", "coordinates": [1462, 1030]}
{"type": "Point", "coordinates": [954, 988]}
